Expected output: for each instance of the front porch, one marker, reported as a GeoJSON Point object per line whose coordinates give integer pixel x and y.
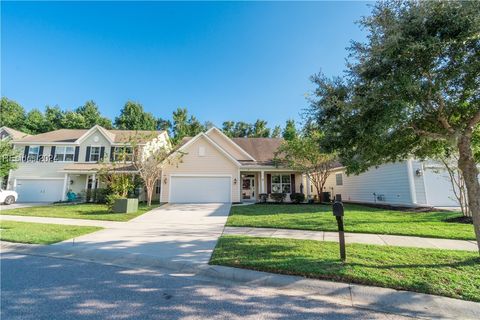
{"type": "Point", "coordinates": [253, 183]}
{"type": "Point", "coordinates": [84, 181]}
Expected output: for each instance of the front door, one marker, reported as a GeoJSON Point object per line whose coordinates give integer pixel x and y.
{"type": "Point", "coordinates": [248, 188]}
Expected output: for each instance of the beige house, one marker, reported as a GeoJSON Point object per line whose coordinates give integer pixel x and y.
{"type": "Point", "coordinates": [213, 167]}
{"type": "Point", "coordinates": [216, 168]}
{"type": "Point", "coordinates": [59, 161]}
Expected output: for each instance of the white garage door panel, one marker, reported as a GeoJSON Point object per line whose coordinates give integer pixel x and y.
{"type": "Point", "coordinates": [33, 190]}
{"type": "Point", "coordinates": [200, 189]}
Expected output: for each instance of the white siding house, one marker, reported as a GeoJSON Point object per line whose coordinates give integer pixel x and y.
{"type": "Point", "coordinates": [408, 183]}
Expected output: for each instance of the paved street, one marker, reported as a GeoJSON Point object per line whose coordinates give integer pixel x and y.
{"type": "Point", "coordinates": [38, 288]}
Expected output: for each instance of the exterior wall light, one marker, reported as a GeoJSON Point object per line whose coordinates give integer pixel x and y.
{"type": "Point", "coordinates": [165, 180]}
{"type": "Point", "coordinates": [235, 181]}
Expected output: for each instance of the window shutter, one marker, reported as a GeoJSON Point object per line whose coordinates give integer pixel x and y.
{"type": "Point", "coordinates": [269, 183]}
{"type": "Point", "coordinates": [102, 153]}
{"type": "Point", "coordinates": [292, 183]}
{"type": "Point", "coordinates": [40, 153]}
{"type": "Point", "coordinates": [52, 153]}
{"type": "Point", "coordinates": [112, 153]}
{"type": "Point", "coordinates": [25, 153]}
{"type": "Point", "coordinates": [87, 155]}
{"type": "Point", "coordinates": [77, 151]}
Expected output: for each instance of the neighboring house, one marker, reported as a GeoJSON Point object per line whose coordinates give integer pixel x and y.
{"type": "Point", "coordinates": [407, 183]}
{"type": "Point", "coordinates": [68, 159]}
{"type": "Point", "coordinates": [9, 134]}
{"type": "Point", "coordinates": [216, 168]}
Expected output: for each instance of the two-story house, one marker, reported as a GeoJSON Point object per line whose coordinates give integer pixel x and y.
{"type": "Point", "coordinates": [55, 162]}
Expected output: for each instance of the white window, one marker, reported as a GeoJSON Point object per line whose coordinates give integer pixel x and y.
{"type": "Point", "coordinates": [64, 154]}
{"type": "Point", "coordinates": [123, 154]}
{"type": "Point", "coordinates": [281, 183]}
{"type": "Point", "coordinates": [33, 152]}
{"type": "Point", "coordinates": [339, 179]}
{"type": "Point", "coordinates": [94, 154]}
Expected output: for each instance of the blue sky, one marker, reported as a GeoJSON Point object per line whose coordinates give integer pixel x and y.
{"type": "Point", "coordinates": [222, 61]}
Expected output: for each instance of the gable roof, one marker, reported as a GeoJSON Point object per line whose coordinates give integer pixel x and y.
{"type": "Point", "coordinates": [185, 142]}
{"type": "Point", "coordinates": [262, 149]}
{"type": "Point", "coordinates": [72, 135]}
{"type": "Point", "coordinates": [229, 141]}
{"type": "Point", "coordinates": [14, 134]}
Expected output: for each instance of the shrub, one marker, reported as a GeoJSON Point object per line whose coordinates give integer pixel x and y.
{"type": "Point", "coordinates": [263, 197]}
{"type": "Point", "coordinates": [100, 195]}
{"type": "Point", "coordinates": [297, 197]}
{"type": "Point", "coordinates": [278, 197]}
{"type": "Point", "coordinates": [110, 199]}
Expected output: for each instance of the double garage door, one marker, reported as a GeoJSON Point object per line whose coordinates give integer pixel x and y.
{"type": "Point", "coordinates": [39, 190]}
{"type": "Point", "coordinates": [200, 189]}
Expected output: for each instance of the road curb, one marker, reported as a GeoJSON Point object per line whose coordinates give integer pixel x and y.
{"type": "Point", "coordinates": [405, 303]}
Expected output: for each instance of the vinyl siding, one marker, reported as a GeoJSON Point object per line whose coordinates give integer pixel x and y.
{"type": "Point", "coordinates": [227, 145]}
{"type": "Point", "coordinates": [213, 162]}
{"type": "Point", "coordinates": [390, 180]}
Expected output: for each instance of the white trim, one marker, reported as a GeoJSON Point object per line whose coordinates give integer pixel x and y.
{"type": "Point", "coordinates": [411, 183]}
{"type": "Point", "coordinates": [198, 175]}
{"type": "Point", "coordinates": [64, 191]}
{"type": "Point", "coordinates": [102, 130]}
{"type": "Point", "coordinates": [231, 142]}
{"type": "Point", "coordinates": [30, 178]}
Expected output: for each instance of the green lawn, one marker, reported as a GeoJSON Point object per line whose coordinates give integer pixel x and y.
{"type": "Point", "coordinates": [442, 272]}
{"type": "Point", "coordinates": [357, 218]}
{"type": "Point", "coordinates": [89, 211]}
{"type": "Point", "coordinates": [40, 233]}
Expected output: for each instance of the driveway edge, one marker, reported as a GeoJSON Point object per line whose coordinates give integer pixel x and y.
{"type": "Point", "coordinates": [372, 298]}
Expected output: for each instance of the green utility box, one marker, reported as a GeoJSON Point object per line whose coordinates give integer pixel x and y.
{"type": "Point", "coordinates": [125, 206]}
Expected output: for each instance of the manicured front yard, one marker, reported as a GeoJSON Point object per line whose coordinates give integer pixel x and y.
{"type": "Point", "coordinates": [89, 211]}
{"type": "Point", "coordinates": [40, 233]}
{"type": "Point", "coordinates": [357, 218]}
{"type": "Point", "coordinates": [442, 272]}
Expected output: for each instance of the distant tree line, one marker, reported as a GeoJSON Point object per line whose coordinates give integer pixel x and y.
{"type": "Point", "coordinates": [132, 117]}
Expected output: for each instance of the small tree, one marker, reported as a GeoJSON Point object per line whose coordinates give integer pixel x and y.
{"type": "Point", "coordinates": [150, 160]}
{"type": "Point", "coordinates": [304, 154]}
{"type": "Point", "coordinates": [8, 155]}
{"type": "Point", "coordinates": [457, 182]}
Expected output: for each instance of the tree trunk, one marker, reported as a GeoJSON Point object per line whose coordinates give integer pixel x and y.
{"type": "Point", "coordinates": [467, 164]}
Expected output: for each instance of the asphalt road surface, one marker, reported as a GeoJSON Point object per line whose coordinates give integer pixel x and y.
{"type": "Point", "coordinates": [34, 287]}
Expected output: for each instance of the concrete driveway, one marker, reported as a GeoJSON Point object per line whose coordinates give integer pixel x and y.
{"type": "Point", "coordinates": [18, 205]}
{"type": "Point", "coordinates": [179, 233]}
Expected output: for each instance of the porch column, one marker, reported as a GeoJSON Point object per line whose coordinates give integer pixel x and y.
{"type": "Point", "coordinates": [308, 186]}
{"type": "Point", "coordinates": [262, 181]}
{"type": "Point", "coordinates": [94, 181]}
{"type": "Point", "coordinates": [65, 185]}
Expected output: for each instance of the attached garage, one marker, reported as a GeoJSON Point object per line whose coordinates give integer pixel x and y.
{"type": "Point", "coordinates": [200, 189]}
{"type": "Point", "coordinates": [39, 190]}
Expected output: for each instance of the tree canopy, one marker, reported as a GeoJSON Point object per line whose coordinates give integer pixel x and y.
{"type": "Point", "coordinates": [412, 89]}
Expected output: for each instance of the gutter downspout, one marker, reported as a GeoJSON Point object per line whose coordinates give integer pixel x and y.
{"type": "Point", "coordinates": [411, 183]}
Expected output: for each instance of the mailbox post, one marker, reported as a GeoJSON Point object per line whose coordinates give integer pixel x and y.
{"type": "Point", "coordinates": [338, 213]}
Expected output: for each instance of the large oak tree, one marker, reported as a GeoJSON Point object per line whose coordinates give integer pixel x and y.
{"type": "Point", "coordinates": [411, 89]}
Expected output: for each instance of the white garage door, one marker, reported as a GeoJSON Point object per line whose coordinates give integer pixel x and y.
{"type": "Point", "coordinates": [200, 189]}
{"type": "Point", "coordinates": [39, 190]}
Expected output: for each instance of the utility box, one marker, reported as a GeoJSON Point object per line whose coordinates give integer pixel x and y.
{"type": "Point", "coordinates": [125, 206]}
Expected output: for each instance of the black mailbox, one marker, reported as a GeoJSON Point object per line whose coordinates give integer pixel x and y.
{"type": "Point", "coordinates": [338, 209]}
